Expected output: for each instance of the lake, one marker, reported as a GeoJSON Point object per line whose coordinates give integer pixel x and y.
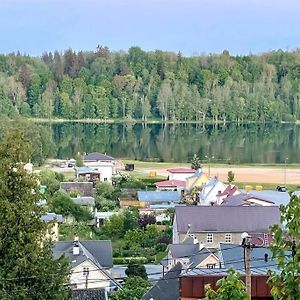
{"type": "Point", "coordinates": [252, 143]}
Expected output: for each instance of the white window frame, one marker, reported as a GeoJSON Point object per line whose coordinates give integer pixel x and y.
{"type": "Point", "coordinates": [211, 266]}
{"type": "Point", "coordinates": [228, 238]}
{"type": "Point", "coordinates": [210, 238]}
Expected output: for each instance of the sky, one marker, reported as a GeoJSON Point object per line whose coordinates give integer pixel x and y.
{"type": "Point", "coordinates": [190, 26]}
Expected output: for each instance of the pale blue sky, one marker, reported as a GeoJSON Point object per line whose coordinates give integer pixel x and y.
{"type": "Point", "coordinates": [189, 26]}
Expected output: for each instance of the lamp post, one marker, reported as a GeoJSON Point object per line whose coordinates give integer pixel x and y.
{"type": "Point", "coordinates": [285, 161]}
{"type": "Point", "coordinates": [209, 158]}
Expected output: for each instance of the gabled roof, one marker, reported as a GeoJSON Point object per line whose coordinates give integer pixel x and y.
{"type": "Point", "coordinates": [99, 251]}
{"type": "Point", "coordinates": [181, 170]}
{"type": "Point", "coordinates": [158, 196]}
{"type": "Point", "coordinates": [199, 257]}
{"type": "Point", "coordinates": [167, 288]}
{"type": "Point", "coordinates": [96, 156]}
{"type": "Point", "coordinates": [198, 173]}
{"type": "Point", "coordinates": [84, 201]}
{"type": "Point", "coordinates": [229, 191]}
{"type": "Point", "coordinates": [226, 218]}
{"type": "Point", "coordinates": [85, 188]}
{"type": "Point", "coordinates": [170, 183]}
{"type": "Point", "coordinates": [242, 199]}
{"type": "Point", "coordinates": [183, 250]}
{"type": "Point", "coordinates": [85, 170]}
{"type": "Point", "coordinates": [49, 217]}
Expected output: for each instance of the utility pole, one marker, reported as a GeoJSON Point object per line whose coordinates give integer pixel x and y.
{"type": "Point", "coordinates": [247, 259]}
{"type": "Point", "coordinates": [209, 158]}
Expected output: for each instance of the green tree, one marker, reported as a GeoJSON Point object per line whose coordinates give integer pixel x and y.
{"type": "Point", "coordinates": [286, 248]}
{"type": "Point", "coordinates": [134, 289]}
{"type": "Point", "coordinates": [230, 176]}
{"type": "Point", "coordinates": [28, 271]}
{"type": "Point", "coordinates": [196, 162]}
{"type": "Point", "coordinates": [135, 269]}
{"type": "Point", "coordinates": [231, 287]}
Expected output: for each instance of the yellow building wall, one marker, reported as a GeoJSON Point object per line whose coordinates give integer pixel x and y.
{"type": "Point", "coordinates": [202, 180]}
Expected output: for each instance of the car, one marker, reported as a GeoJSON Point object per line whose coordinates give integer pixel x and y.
{"type": "Point", "coordinates": [281, 188]}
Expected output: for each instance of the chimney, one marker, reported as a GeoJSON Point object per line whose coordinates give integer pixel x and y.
{"type": "Point", "coordinates": [76, 248]}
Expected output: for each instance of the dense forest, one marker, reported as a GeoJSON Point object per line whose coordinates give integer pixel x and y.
{"type": "Point", "coordinates": [151, 85]}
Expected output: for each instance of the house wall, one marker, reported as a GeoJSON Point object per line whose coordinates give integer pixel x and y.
{"type": "Point", "coordinates": [176, 235]}
{"type": "Point", "coordinates": [106, 169]}
{"type": "Point", "coordinates": [259, 202]}
{"type": "Point", "coordinates": [211, 260]}
{"type": "Point", "coordinates": [96, 278]}
{"type": "Point", "coordinates": [202, 180]}
{"type": "Point", "coordinates": [52, 232]}
{"type": "Point", "coordinates": [132, 203]}
{"type": "Point", "coordinates": [209, 194]}
{"type": "Point", "coordinates": [217, 238]}
{"type": "Point", "coordinates": [179, 176]}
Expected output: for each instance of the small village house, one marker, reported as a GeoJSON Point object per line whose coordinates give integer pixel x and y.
{"type": "Point", "coordinates": [180, 173]}
{"type": "Point", "coordinates": [53, 220]}
{"type": "Point", "coordinates": [197, 180]}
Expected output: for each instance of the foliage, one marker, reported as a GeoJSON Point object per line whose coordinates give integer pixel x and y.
{"type": "Point", "coordinates": [230, 176]}
{"type": "Point", "coordinates": [28, 271]}
{"type": "Point", "coordinates": [136, 269]}
{"type": "Point", "coordinates": [192, 197]}
{"type": "Point", "coordinates": [286, 249]}
{"type": "Point", "coordinates": [51, 180]}
{"type": "Point", "coordinates": [134, 289]}
{"type": "Point", "coordinates": [145, 220]}
{"type": "Point", "coordinates": [79, 160]}
{"type": "Point", "coordinates": [231, 287]}
{"type": "Point", "coordinates": [106, 196]}
{"type": "Point", "coordinates": [126, 260]}
{"type": "Point", "coordinates": [62, 204]}
{"type": "Point", "coordinates": [196, 162]}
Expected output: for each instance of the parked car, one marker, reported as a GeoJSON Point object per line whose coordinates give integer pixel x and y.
{"type": "Point", "coordinates": [71, 163]}
{"type": "Point", "coordinates": [281, 188]}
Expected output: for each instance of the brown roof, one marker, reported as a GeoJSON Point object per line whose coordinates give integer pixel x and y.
{"type": "Point", "coordinates": [226, 218]}
{"type": "Point", "coordinates": [85, 188]}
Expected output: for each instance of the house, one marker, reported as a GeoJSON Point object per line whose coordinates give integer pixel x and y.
{"type": "Point", "coordinates": [87, 203]}
{"type": "Point", "coordinates": [88, 174]}
{"type": "Point", "coordinates": [159, 197]}
{"type": "Point", "coordinates": [52, 231]}
{"type": "Point", "coordinates": [212, 225]}
{"type": "Point", "coordinates": [166, 288]}
{"type": "Point", "coordinates": [191, 254]}
{"type": "Point", "coordinates": [90, 261]}
{"type": "Point", "coordinates": [101, 216]}
{"type": "Point", "coordinates": [180, 173]}
{"type": "Point", "coordinates": [245, 199]}
{"type": "Point", "coordinates": [84, 189]}
{"type": "Point", "coordinates": [198, 179]}
{"type": "Point", "coordinates": [170, 185]}
{"type": "Point", "coordinates": [231, 190]}
{"type": "Point", "coordinates": [89, 294]}
{"type": "Point", "coordinates": [106, 165]}
{"type": "Point", "coordinates": [210, 190]}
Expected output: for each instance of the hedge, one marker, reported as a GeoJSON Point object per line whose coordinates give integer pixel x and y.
{"type": "Point", "coordinates": [126, 260]}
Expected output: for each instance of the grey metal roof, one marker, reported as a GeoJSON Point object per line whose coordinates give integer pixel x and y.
{"type": "Point", "coordinates": [277, 197]}
{"type": "Point", "coordinates": [84, 201]}
{"type": "Point", "coordinates": [232, 256]}
{"type": "Point", "coordinates": [49, 217]}
{"type": "Point", "coordinates": [85, 188]}
{"type": "Point", "coordinates": [226, 218]}
{"type": "Point", "coordinates": [96, 156]}
{"type": "Point", "coordinates": [240, 199]}
{"type": "Point", "coordinates": [199, 257]}
{"type": "Point", "coordinates": [183, 250]}
{"type": "Point", "coordinates": [167, 288]}
{"type": "Point", "coordinates": [159, 196]}
{"type": "Point", "coordinates": [85, 170]}
{"type": "Point", "coordinates": [99, 251]}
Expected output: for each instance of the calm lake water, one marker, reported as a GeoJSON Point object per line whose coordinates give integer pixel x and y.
{"type": "Point", "coordinates": [177, 143]}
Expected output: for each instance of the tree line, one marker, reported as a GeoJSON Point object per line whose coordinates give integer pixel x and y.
{"type": "Point", "coordinates": [153, 85]}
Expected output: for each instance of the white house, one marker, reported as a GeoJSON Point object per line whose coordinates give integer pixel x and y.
{"type": "Point", "coordinates": [210, 191]}
{"type": "Point", "coordinates": [180, 173]}
{"type": "Point", "coordinates": [91, 262]}
{"type": "Point", "coordinates": [102, 163]}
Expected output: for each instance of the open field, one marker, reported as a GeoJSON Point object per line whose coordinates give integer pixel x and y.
{"type": "Point", "coordinates": [274, 174]}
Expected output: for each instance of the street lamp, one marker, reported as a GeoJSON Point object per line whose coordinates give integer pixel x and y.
{"type": "Point", "coordinates": [209, 158]}
{"type": "Point", "coordinates": [285, 161]}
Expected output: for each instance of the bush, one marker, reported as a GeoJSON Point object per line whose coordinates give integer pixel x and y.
{"type": "Point", "coordinates": [160, 247]}
{"type": "Point", "coordinates": [127, 260]}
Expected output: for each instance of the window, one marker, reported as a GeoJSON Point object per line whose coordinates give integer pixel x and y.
{"type": "Point", "coordinates": [228, 238]}
{"type": "Point", "coordinates": [105, 179]}
{"type": "Point", "coordinates": [209, 238]}
{"type": "Point", "coordinates": [86, 271]}
{"type": "Point", "coordinates": [211, 266]}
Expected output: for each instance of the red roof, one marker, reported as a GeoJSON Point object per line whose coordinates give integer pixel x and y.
{"type": "Point", "coordinates": [171, 183]}
{"type": "Point", "coordinates": [181, 170]}
{"type": "Point", "coordinates": [229, 191]}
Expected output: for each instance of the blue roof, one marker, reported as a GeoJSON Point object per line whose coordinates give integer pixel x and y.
{"type": "Point", "coordinates": [162, 206]}
{"type": "Point", "coordinates": [85, 170]}
{"type": "Point", "coordinates": [49, 217]}
{"type": "Point", "coordinates": [274, 196]}
{"type": "Point", "coordinates": [159, 196]}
